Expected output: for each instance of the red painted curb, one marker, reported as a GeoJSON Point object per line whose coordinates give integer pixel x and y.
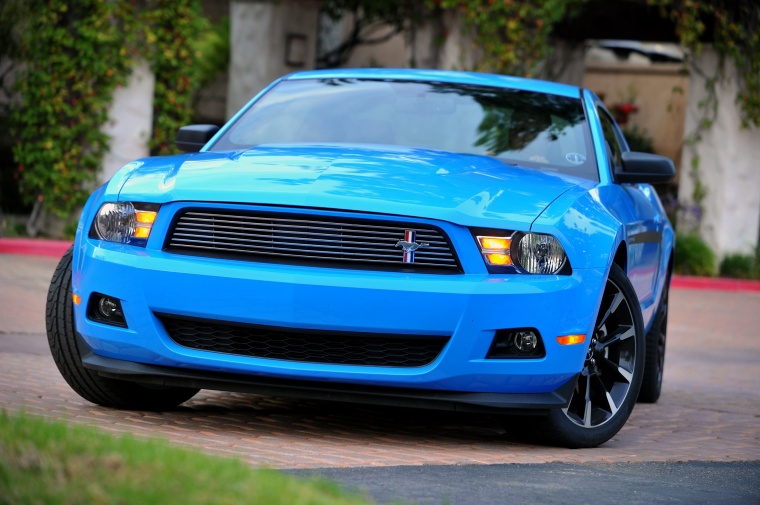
{"type": "Point", "coordinates": [714, 283]}
{"type": "Point", "coordinates": [34, 247]}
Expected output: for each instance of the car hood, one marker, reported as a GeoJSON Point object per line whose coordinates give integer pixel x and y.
{"type": "Point", "coordinates": [468, 189]}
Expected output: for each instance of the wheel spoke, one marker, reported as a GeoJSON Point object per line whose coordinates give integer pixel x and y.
{"type": "Point", "coordinates": [611, 403]}
{"type": "Point", "coordinates": [628, 376]}
{"type": "Point", "coordinates": [615, 368]}
{"type": "Point", "coordinates": [613, 307]}
{"type": "Point", "coordinates": [618, 337]}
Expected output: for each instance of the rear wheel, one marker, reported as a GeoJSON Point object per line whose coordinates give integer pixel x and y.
{"type": "Point", "coordinates": [608, 385]}
{"type": "Point", "coordinates": [654, 366]}
{"type": "Point", "coordinates": [88, 384]}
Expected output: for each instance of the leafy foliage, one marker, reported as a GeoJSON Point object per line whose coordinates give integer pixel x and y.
{"type": "Point", "coordinates": [74, 58]}
{"type": "Point", "coordinates": [75, 54]}
{"type": "Point", "coordinates": [512, 35]}
{"type": "Point", "coordinates": [693, 257]}
{"type": "Point", "coordinates": [170, 30]}
{"type": "Point", "coordinates": [736, 36]}
{"type": "Point", "coordinates": [373, 22]}
{"type": "Point", "coordinates": [741, 266]}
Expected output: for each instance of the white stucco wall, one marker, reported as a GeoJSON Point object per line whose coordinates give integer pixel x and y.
{"type": "Point", "coordinates": [258, 32]}
{"type": "Point", "coordinates": [130, 121]}
{"type": "Point", "coordinates": [729, 166]}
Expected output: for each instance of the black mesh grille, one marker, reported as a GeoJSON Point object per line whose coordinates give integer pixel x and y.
{"type": "Point", "coordinates": [289, 238]}
{"type": "Point", "coordinates": [304, 345]}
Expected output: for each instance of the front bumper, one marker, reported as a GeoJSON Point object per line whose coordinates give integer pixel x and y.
{"type": "Point", "coordinates": [469, 308]}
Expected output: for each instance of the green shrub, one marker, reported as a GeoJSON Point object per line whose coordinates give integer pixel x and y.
{"type": "Point", "coordinates": [693, 257]}
{"type": "Point", "coordinates": [741, 266]}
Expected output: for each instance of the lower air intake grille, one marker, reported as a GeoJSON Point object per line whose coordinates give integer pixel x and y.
{"type": "Point", "coordinates": [309, 239]}
{"type": "Point", "coordinates": [339, 348]}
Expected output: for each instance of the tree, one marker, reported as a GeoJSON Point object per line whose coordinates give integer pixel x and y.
{"type": "Point", "coordinates": [372, 22]}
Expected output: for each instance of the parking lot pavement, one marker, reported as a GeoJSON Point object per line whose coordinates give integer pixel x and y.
{"type": "Point", "coordinates": [709, 410]}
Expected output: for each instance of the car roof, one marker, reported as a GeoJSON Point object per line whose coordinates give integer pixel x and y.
{"type": "Point", "coordinates": [502, 81]}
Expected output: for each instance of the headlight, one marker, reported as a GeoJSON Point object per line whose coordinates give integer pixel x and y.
{"type": "Point", "coordinates": [124, 222]}
{"type": "Point", "coordinates": [537, 253]}
{"type": "Point", "coordinates": [508, 252]}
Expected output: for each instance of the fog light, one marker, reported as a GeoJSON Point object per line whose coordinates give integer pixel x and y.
{"type": "Point", "coordinates": [109, 308]}
{"type": "Point", "coordinates": [106, 309]}
{"type": "Point", "coordinates": [526, 341]}
{"type": "Point", "coordinates": [518, 343]}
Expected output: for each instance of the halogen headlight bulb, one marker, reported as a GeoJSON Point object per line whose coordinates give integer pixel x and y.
{"type": "Point", "coordinates": [116, 222]}
{"type": "Point", "coordinates": [539, 254]}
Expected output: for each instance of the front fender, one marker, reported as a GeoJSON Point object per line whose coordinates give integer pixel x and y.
{"type": "Point", "coordinates": [585, 227]}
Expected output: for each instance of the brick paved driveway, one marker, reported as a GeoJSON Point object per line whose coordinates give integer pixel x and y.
{"type": "Point", "coordinates": [709, 411]}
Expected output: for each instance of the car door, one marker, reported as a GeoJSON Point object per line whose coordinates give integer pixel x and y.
{"type": "Point", "coordinates": [643, 221]}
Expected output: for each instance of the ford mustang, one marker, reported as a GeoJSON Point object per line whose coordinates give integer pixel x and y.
{"type": "Point", "coordinates": [432, 239]}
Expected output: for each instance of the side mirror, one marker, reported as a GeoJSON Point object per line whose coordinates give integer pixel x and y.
{"type": "Point", "coordinates": [645, 167]}
{"type": "Point", "coordinates": [191, 139]}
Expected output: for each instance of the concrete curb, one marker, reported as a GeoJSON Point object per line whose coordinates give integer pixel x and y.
{"type": "Point", "coordinates": [56, 248]}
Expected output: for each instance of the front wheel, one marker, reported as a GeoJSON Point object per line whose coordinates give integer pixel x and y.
{"type": "Point", "coordinates": [62, 338]}
{"type": "Point", "coordinates": [608, 385]}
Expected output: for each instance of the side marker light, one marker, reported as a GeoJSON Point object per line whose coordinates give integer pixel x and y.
{"type": "Point", "coordinates": [571, 339]}
{"type": "Point", "coordinates": [76, 298]}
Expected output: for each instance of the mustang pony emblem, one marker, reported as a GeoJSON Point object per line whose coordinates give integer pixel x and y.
{"type": "Point", "coordinates": [409, 245]}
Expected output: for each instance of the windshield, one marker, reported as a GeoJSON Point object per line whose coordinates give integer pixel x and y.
{"type": "Point", "coordinates": [534, 130]}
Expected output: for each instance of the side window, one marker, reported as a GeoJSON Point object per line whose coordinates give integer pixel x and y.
{"type": "Point", "coordinates": [613, 146]}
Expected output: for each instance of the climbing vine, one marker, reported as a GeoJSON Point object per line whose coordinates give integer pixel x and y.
{"type": "Point", "coordinates": [511, 36]}
{"type": "Point", "coordinates": [734, 26]}
{"type": "Point", "coordinates": [74, 58]}
{"type": "Point", "coordinates": [735, 36]}
{"type": "Point", "coordinates": [171, 28]}
{"type": "Point", "coordinates": [75, 55]}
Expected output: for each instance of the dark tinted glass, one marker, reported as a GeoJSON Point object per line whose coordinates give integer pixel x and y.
{"type": "Point", "coordinates": [531, 129]}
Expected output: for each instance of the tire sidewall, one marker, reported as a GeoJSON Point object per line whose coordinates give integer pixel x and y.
{"type": "Point", "coordinates": [578, 436]}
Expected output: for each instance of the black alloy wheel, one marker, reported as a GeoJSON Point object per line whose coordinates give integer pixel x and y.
{"type": "Point", "coordinates": [609, 382]}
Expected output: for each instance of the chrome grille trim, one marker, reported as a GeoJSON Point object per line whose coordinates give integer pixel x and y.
{"type": "Point", "coordinates": [297, 238]}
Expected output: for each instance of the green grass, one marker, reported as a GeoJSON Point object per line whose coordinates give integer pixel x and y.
{"type": "Point", "coordinates": [51, 462]}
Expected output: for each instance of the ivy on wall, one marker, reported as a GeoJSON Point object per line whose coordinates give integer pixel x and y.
{"type": "Point", "coordinates": [74, 57]}
{"type": "Point", "coordinates": [171, 30]}
{"type": "Point", "coordinates": [75, 54]}
{"type": "Point", "coordinates": [735, 36]}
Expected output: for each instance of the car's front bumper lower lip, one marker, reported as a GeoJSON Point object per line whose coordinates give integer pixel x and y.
{"type": "Point", "coordinates": [157, 375]}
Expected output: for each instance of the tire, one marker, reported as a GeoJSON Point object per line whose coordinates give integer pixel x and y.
{"type": "Point", "coordinates": [62, 339]}
{"type": "Point", "coordinates": [608, 386]}
{"type": "Point", "coordinates": [654, 362]}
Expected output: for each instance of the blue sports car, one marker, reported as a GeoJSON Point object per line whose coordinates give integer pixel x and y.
{"type": "Point", "coordinates": [424, 238]}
